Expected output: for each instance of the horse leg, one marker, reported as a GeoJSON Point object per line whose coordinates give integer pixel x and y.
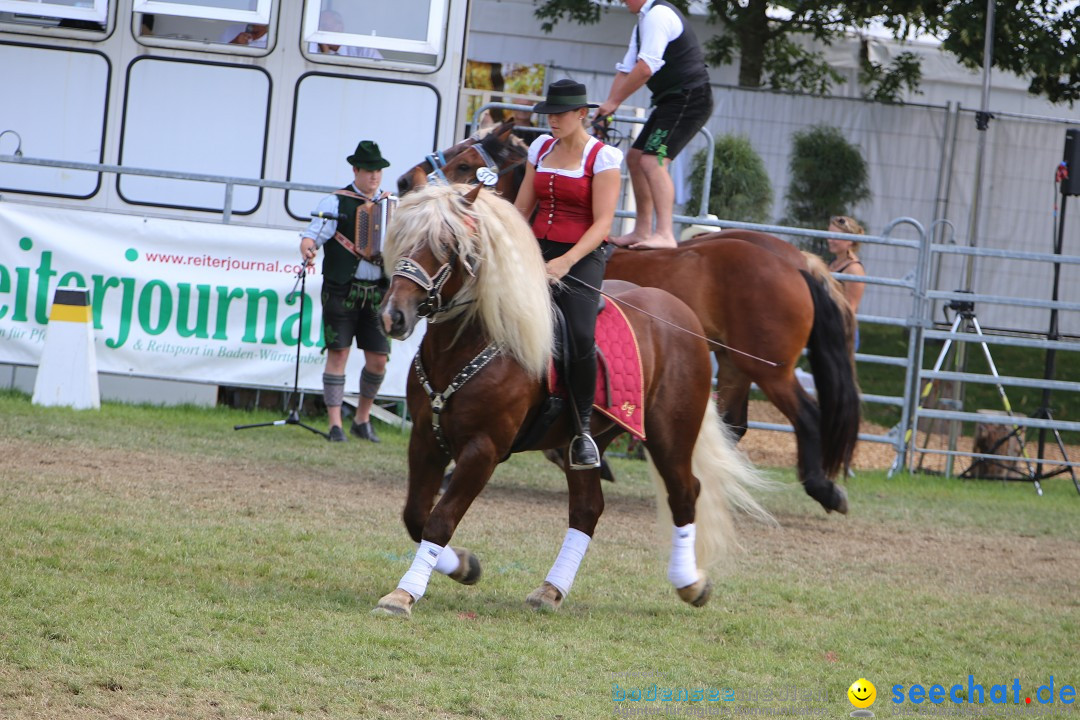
{"type": "Point", "coordinates": [732, 395]}
{"type": "Point", "coordinates": [586, 506]}
{"type": "Point", "coordinates": [426, 479]}
{"type": "Point", "coordinates": [471, 472]}
{"type": "Point", "coordinates": [670, 463]}
{"type": "Point", "coordinates": [789, 397]}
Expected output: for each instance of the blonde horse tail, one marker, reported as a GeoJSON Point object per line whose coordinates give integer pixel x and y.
{"type": "Point", "coordinates": [726, 479]}
{"type": "Point", "coordinates": [820, 272]}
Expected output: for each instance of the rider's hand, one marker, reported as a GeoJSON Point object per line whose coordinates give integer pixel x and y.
{"type": "Point", "coordinates": [557, 268]}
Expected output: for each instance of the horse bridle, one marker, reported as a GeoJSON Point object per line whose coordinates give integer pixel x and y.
{"type": "Point", "coordinates": [437, 160]}
{"type": "Point", "coordinates": [494, 172]}
{"type": "Point", "coordinates": [431, 305]}
{"type": "Point", "coordinates": [409, 269]}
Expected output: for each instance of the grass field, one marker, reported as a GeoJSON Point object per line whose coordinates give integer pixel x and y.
{"type": "Point", "coordinates": [155, 563]}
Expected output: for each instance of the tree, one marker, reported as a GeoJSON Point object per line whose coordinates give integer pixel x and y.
{"type": "Point", "coordinates": [740, 188]}
{"type": "Point", "coordinates": [1035, 39]}
{"type": "Point", "coordinates": [828, 176]}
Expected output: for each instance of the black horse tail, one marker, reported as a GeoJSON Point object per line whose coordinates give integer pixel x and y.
{"type": "Point", "coordinates": [834, 377]}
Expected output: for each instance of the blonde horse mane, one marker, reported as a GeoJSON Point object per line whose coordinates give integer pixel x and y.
{"type": "Point", "coordinates": [510, 301]}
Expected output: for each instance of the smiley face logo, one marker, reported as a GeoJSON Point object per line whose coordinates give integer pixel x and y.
{"type": "Point", "coordinates": [862, 693]}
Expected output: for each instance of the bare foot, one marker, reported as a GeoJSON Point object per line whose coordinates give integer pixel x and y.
{"type": "Point", "coordinates": [655, 241]}
{"type": "Point", "coordinates": [627, 240]}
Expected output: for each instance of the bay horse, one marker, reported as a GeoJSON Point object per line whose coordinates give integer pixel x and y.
{"type": "Point", "coordinates": [471, 266]}
{"type": "Point", "coordinates": [761, 300]}
{"type": "Point", "coordinates": [507, 163]}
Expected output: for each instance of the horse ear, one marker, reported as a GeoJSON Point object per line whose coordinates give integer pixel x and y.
{"type": "Point", "coordinates": [470, 197]}
{"type": "Point", "coordinates": [504, 130]}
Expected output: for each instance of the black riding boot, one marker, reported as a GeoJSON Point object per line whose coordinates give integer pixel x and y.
{"type": "Point", "coordinates": [584, 455]}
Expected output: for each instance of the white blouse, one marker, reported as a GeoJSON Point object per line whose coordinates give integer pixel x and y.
{"type": "Point", "coordinates": [609, 157]}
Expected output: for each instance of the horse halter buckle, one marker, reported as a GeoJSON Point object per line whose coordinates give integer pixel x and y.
{"type": "Point", "coordinates": [411, 270]}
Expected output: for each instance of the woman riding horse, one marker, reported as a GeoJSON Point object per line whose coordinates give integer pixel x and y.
{"type": "Point", "coordinates": [472, 267]}
{"type": "Point", "coordinates": [761, 326]}
{"type": "Point", "coordinates": [570, 191]}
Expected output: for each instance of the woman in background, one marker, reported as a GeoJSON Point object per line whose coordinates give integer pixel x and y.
{"type": "Point", "coordinates": [846, 260]}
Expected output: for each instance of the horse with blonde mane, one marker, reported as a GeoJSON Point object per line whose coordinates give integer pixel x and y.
{"type": "Point", "coordinates": [761, 302]}
{"type": "Point", "coordinates": [471, 266]}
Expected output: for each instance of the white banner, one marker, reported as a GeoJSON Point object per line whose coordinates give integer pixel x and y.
{"type": "Point", "coordinates": [173, 299]}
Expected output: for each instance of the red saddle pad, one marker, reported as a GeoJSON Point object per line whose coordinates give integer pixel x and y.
{"type": "Point", "coordinates": [620, 361]}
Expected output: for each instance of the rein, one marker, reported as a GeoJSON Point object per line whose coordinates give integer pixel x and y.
{"type": "Point", "coordinates": [770, 363]}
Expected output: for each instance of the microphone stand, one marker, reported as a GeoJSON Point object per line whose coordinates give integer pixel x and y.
{"type": "Point", "coordinates": [293, 418]}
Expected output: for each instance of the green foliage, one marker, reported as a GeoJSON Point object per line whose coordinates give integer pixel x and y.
{"type": "Point", "coordinates": [1035, 40]}
{"type": "Point", "coordinates": [740, 187]}
{"type": "Point", "coordinates": [791, 67]}
{"type": "Point", "coordinates": [828, 176]}
{"type": "Point", "coordinates": [885, 83]}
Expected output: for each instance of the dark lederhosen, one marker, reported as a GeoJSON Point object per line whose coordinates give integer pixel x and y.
{"type": "Point", "coordinates": [350, 306]}
{"type": "Point", "coordinates": [680, 93]}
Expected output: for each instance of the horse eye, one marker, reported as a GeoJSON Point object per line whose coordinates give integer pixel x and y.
{"type": "Point", "coordinates": [463, 168]}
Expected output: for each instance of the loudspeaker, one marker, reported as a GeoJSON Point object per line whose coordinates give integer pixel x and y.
{"type": "Point", "coordinates": [1071, 185]}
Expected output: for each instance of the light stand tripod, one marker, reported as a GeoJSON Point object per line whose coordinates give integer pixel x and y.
{"type": "Point", "coordinates": [1052, 334]}
{"type": "Point", "coordinates": [293, 418]}
{"type": "Point", "coordinates": [965, 320]}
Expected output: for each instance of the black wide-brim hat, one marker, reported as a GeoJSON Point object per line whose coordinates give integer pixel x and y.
{"type": "Point", "coordinates": [367, 157]}
{"type": "Point", "coordinates": [564, 95]}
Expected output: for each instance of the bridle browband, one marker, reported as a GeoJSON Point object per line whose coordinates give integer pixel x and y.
{"type": "Point", "coordinates": [409, 269]}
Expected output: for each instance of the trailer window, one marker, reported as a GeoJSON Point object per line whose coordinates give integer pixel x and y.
{"type": "Point", "coordinates": [56, 108]}
{"type": "Point", "coordinates": [404, 32]}
{"type": "Point", "coordinates": [79, 15]}
{"type": "Point", "coordinates": [200, 118]}
{"type": "Point", "coordinates": [213, 24]}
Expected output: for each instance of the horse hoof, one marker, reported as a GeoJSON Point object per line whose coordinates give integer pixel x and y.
{"type": "Point", "coordinates": [839, 501]}
{"type": "Point", "coordinates": [398, 603]}
{"type": "Point", "coordinates": [545, 598]}
{"type": "Point", "coordinates": [468, 572]}
{"type": "Point", "coordinates": [696, 594]}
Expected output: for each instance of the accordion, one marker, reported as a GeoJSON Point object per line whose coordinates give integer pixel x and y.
{"type": "Point", "coordinates": [372, 222]}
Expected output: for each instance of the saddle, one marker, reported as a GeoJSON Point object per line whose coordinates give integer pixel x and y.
{"type": "Point", "coordinates": [620, 390]}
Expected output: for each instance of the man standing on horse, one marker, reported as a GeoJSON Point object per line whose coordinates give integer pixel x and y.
{"type": "Point", "coordinates": [352, 290]}
{"type": "Point", "coordinates": [665, 55]}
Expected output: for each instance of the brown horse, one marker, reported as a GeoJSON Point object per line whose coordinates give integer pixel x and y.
{"type": "Point", "coordinates": [471, 266]}
{"type": "Point", "coordinates": [762, 300]}
{"type": "Point", "coordinates": [507, 164]}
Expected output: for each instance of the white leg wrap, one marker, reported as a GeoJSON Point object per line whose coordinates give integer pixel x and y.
{"type": "Point", "coordinates": [569, 560]}
{"type": "Point", "coordinates": [448, 561]}
{"type": "Point", "coordinates": [415, 581]}
{"type": "Point", "coordinates": [682, 568]}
